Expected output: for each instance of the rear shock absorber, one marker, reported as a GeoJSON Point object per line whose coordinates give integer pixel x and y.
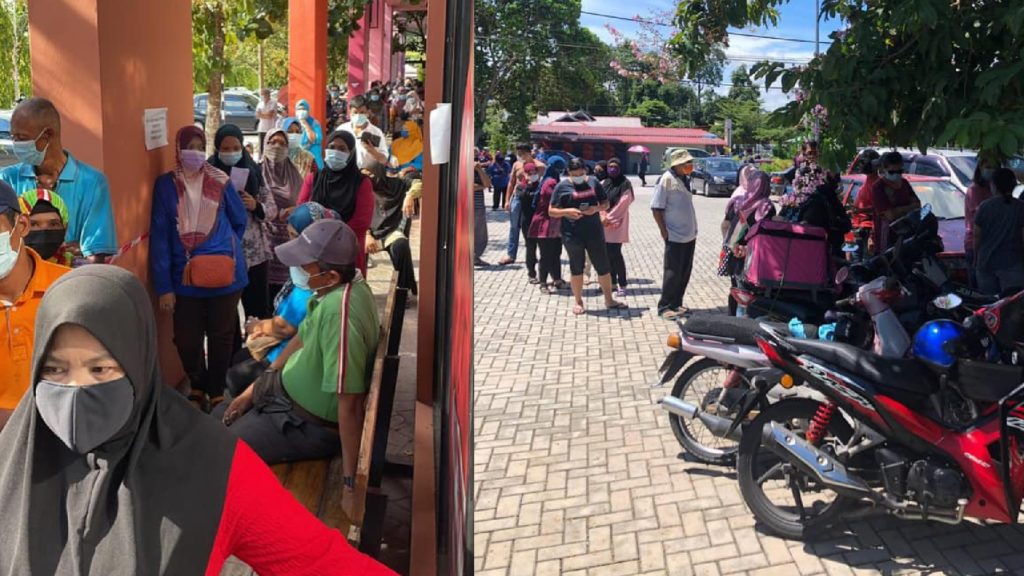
{"type": "Point", "coordinates": [819, 424]}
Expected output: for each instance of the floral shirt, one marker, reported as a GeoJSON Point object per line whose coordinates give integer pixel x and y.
{"type": "Point", "coordinates": [256, 242]}
{"type": "Point", "coordinates": [807, 179]}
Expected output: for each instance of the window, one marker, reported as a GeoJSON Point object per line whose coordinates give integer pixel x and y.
{"type": "Point", "coordinates": [928, 166]}
{"type": "Point", "coordinates": [722, 166]}
{"type": "Point", "coordinates": [201, 101]}
{"type": "Point", "coordinates": [5, 129]}
{"type": "Point", "coordinates": [237, 104]}
{"type": "Point", "coordinates": [947, 201]}
{"type": "Point", "coordinates": [963, 167]}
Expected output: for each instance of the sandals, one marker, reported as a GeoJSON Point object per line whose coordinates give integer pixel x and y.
{"type": "Point", "coordinates": [534, 281]}
{"type": "Point", "coordinates": [545, 289]}
{"type": "Point", "coordinates": [559, 284]}
{"type": "Point", "coordinates": [615, 305]}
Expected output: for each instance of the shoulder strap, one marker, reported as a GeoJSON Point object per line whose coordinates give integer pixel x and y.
{"type": "Point", "coordinates": [343, 338]}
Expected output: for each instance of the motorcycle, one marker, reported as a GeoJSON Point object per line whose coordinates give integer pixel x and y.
{"type": "Point", "coordinates": [919, 440]}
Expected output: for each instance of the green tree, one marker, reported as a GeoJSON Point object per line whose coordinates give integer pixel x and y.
{"type": "Point", "coordinates": [578, 75]}
{"type": "Point", "coordinates": [921, 73]}
{"type": "Point", "coordinates": [653, 113]}
{"type": "Point", "coordinates": [743, 88]}
{"type": "Point", "coordinates": [747, 119]}
{"type": "Point", "coordinates": [16, 69]}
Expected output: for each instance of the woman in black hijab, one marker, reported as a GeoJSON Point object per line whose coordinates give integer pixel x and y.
{"type": "Point", "coordinates": [390, 228]}
{"type": "Point", "coordinates": [106, 470]}
{"type": "Point", "coordinates": [260, 205]}
{"type": "Point", "coordinates": [341, 187]}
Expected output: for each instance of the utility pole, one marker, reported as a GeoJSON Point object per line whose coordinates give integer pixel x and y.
{"type": "Point", "coordinates": [259, 57]}
{"type": "Point", "coordinates": [817, 53]}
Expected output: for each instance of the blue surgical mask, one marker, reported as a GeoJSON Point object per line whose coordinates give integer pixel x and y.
{"type": "Point", "coordinates": [336, 159]}
{"type": "Point", "coordinates": [578, 179]}
{"type": "Point", "coordinates": [27, 153]}
{"type": "Point", "coordinates": [299, 277]}
{"type": "Point", "coordinates": [302, 114]}
{"type": "Point", "coordinates": [359, 120]}
{"type": "Point", "coordinates": [405, 133]}
{"type": "Point", "coordinates": [893, 177]}
{"type": "Point", "coordinates": [8, 255]}
{"type": "Point", "coordinates": [294, 140]}
{"type": "Point", "coordinates": [230, 158]}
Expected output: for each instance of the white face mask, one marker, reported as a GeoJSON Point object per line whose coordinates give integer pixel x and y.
{"type": "Point", "coordinates": [8, 255]}
{"type": "Point", "coordinates": [302, 114]}
{"type": "Point", "coordinates": [578, 179]}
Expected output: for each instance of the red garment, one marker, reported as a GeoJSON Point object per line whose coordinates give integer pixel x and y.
{"type": "Point", "coordinates": [885, 198]}
{"type": "Point", "coordinates": [863, 203]}
{"type": "Point", "coordinates": [359, 222]}
{"type": "Point", "coordinates": [543, 225]}
{"type": "Point", "coordinates": [263, 525]}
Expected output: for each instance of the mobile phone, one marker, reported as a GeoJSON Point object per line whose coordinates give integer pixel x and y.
{"type": "Point", "coordinates": [371, 139]}
{"type": "Point", "coordinates": [584, 205]}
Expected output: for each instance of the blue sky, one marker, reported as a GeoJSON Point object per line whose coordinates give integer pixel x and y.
{"type": "Point", "coordinates": [796, 21]}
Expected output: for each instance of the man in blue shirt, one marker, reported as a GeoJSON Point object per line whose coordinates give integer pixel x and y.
{"type": "Point", "coordinates": [44, 163]}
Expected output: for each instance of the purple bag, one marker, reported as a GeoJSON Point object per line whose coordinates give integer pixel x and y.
{"type": "Point", "coordinates": [787, 255]}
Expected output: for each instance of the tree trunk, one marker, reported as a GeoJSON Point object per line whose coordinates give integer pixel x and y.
{"type": "Point", "coordinates": [15, 49]}
{"type": "Point", "coordinates": [259, 56]}
{"type": "Point", "coordinates": [215, 88]}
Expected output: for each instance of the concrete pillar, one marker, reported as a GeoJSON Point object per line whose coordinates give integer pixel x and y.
{"type": "Point", "coordinates": [358, 52]}
{"type": "Point", "coordinates": [102, 62]}
{"type": "Point", "coordinates": [307, 56]}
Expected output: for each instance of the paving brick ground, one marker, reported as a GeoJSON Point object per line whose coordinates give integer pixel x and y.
{"type": "Point", "coordinates": [576, 469]}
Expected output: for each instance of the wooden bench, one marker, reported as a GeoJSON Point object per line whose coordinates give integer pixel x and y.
{"type": "Point", "coordinates": [318, 484]}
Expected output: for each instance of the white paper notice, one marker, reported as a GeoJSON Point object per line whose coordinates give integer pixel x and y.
{"type": "Point", "coordinates": [239, 177]}
{"type": "Point", "coordinates": [440, 133]}
{"type": "Point", "coordinates": [155, 122]}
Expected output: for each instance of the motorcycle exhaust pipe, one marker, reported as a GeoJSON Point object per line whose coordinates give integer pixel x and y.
{"type": "Point", "coordinates": [716, 424]}
{"type": "Point", "coordinates": [822, 466]}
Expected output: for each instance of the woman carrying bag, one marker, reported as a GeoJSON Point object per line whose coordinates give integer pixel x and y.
{"type": "Point", "coordinates": [197, 265]}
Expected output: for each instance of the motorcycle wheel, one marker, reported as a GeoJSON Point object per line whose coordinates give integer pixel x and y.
{"type": "Point", "coordinates": [695, 385]}
{"type": "Point", "coordinates": [776, 491]}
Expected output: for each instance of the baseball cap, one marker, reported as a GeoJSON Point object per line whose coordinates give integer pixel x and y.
{"type": "Point", "coordinates": [8, 199]}
{"type": "Point", "coordinates": [329, 241]}
{"type": "Point", "coordinates": [680, 157]}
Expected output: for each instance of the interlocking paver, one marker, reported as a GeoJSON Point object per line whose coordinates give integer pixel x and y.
{"type": "Point", "coordinates": [577, 471]}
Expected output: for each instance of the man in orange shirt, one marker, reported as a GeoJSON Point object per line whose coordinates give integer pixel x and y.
{"type": "Point", "coordinates": [24, 276]}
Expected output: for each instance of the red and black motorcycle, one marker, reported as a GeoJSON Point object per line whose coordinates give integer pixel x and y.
{"type": "Point", "coordinates": [919, 441]}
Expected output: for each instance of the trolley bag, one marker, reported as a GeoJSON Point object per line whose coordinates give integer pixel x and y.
{"type": "Point", "coordinates": [784, 255]}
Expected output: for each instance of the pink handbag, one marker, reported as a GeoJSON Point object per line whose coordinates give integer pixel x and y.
{"type": "Point", "coordinates": [786, 255]}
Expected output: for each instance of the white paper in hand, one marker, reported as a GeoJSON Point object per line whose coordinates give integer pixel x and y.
{"type": "Point", "coordinates": [239, 176]}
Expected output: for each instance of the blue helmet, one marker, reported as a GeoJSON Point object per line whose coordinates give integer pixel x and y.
{"type": "Point", "coordinates": [935, 341]}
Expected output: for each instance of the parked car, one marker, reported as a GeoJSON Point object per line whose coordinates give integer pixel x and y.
{"type": "Point", "coordinates": [947, 202]}
{"type": "Point", "coordinates": [568, 156]}
{"type": "Point", "coordinates": [782, 182]}
{"type": "Point", "coordinates": [695, 152]}
{"type": "Point", "coordinates": [238, 108]}
{"type": "Point", "coordinates": [7, 156]}
{"type": "Point", "coordinates": [956, 166]}
{"type": "Point", "coordinates": [714, 176]}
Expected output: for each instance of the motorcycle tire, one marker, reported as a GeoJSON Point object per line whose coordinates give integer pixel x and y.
{"type": "Point", "coordinates": [750, 469]}
{"type": "Point", "coordinates": [684, 428]}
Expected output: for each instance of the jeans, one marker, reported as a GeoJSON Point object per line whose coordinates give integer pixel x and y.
{"type": "Point", "coordinates": [618, 265]}
{"type": "Point", "coordinates": [514, 221]}
{"type": "Point", "coordinates": [215, 320]}
{"type": "Point", "coordinates": [997, 282]}
{"type": "Point", "coordinates": [479, 225]}
{"type": "Point", "coordinates": [678, 265]}
{"type": "Point", "coordinates": [550, 259]}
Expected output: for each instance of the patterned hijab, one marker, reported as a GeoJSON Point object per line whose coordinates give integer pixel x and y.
{"type": "Point", "coordinates": [199, 194]}
{"type": "Point", "coordinates": [283, 178]}
{"type": "Point", "coordinates": [757, 200]}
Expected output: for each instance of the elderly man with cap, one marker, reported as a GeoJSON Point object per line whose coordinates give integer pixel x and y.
{"type": "Point", "coordinates": [44, 163]}
{"type": "Point", "coordinates": [312, 395]}
{"type": "Point", "coordinates": [673, 211]}
{"type": "Point", "coordinates": [24, 277]}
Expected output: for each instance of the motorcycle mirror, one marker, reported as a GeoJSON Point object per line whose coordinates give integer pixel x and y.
{"type": "Point", "coordinates": [842, 275]}
{"type": "Point", "coordinates": [948, 301]}
{"type": "Point", "coordinates": [926, 210]}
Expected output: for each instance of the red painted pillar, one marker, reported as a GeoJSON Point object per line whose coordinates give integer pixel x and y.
{"type": "Point", "coordinates": [307, 56]}
{"type": "Point", "coordinates": [358, 53]}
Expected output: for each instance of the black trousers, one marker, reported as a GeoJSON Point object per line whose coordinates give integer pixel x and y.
{"type": "Point", "coordinates": [580, 247]}
{"type": "Point", "coordinates": [618, 265]}
{"type": "Point", "coordinates": [215, 320]}
{"type": "Point", "coordinates": [401, 259]}
{"type": "Point", "coordinates": [550, 259]}
{"type": "Point", "coordinates": [256, 296]}
{"type": "Point", "coordinates": [678, 265]}
{"type": "Point", "coordinates": [532, 244]}
{"type": "Point", "coordinates": [498, 195]}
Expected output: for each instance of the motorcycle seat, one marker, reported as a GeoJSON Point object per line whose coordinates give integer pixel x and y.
{"type": "Point", "coordinates": [725, 329]}
{"type": "Point", "coordinates": [905, 380]}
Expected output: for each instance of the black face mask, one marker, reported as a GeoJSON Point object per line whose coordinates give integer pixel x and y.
{"type": "Point", "coordinates": [46, 243]}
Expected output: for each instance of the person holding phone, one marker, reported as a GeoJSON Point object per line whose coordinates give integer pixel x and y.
{"type": "Point", "coordinates": [579, 201]}
{"type": "Point", "coordinates": [370, 142]}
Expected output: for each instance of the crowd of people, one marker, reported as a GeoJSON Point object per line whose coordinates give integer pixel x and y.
{"type": "Point", "coordinates": [284, 237]}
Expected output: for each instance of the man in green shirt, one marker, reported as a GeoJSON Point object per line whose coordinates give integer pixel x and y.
{"type": "Point", "coordinates": [313, 393]}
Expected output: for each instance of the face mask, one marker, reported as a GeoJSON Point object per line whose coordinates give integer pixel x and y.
{"type": "Point", "coordinates": [294, 140]}
{"type": "Point", "coordinates": [230, 158]}
{"type": "Point", "coordinates": [299, 277]}
{"type": "Point", "coordinates": [614, 172]}
{"type": "Point", "coordinates": [192, 160]}
{"type": "Point", "coordinates": [986, 174]}
{"type": "Point", "coordinates": [534, 178]}
{"type": "Point", "coordinates": [26, 151]}
{"type": "Point", "coordinates": [374, 98]}
{"type": "Point", "coordinates": [404, 133]}
{"type": "Point", "coordinates": [335, 93]}
{"type": "Point", "coordinates": [578, 179]}
{"type": "Point", "coordinates": [359, 120]}
{"type": "Point", "coordinates": [46, 243]}
{"type": "Point", "coordinates": [893, 177]}
{"type": "Point", "coordinates": [8, 255]}
{"type": "Point", "coordinates": [336, 159]}
{"type": "Point", "coordinates": [302, 114]}
{"type": "Point", "coordinates": [276, 153]}
{"type": "Point", "coordinates": [85, 417]}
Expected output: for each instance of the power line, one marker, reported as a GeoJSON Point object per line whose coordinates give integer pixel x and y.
{"type": "Point", "coordinates": [669, 25]}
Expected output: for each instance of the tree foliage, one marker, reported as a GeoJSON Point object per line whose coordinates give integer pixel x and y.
{"type": "Point", "coordinates": [920, 73]}
{"type": "Point", "coordinates": [15, 67]}
{"type": "Point", "coordinates": [743, 88]}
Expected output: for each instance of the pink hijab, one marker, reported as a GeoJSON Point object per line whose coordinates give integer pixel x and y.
{"type": "Point", "coordinates": [757, 201]}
